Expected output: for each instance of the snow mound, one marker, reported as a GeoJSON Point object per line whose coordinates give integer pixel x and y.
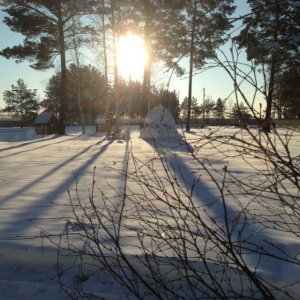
{"type": "Point", "coordinates": [159, 123]}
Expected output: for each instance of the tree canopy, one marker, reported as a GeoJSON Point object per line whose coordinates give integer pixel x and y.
{"type": "Point", "coordinates": [219, 109]}
{"type": "Point", "coordinates": [92, 89]}
{"type": "Point", "coordinates": [271, 38]}
{"type": "Point", "coordinates": [206, 24]}
{"type": "Point", "coordinates": [171, 30]}
{"type": "Point", "coordinates": [21, 102]}
{"type": "Point", "coordinates": [45, 26]}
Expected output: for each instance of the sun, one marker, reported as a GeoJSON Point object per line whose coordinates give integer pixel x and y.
{"type": "Point", "coordinates": [131, 57]}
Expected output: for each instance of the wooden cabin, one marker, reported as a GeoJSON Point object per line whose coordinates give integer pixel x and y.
{"type": "Point", "coordinates": [46, 123]}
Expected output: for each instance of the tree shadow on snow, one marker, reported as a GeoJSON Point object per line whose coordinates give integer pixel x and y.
{"type": "Point", "coordinates": [40, 205]}
{"type": "Point", "coordinates": [205, 192]}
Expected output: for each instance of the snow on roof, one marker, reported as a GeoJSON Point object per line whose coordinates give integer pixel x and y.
{"type": "Point", "coordinates": [43, 118]}
{"type": "Point", "coordinates": [101, 119]}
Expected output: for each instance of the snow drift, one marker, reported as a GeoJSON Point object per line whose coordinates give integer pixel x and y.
{"type": "Point", "coordinates": [159, 123]}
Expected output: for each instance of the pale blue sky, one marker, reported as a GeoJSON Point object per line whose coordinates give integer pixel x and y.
{"type": "Point", "coordinates": [215, 81]}
{"type": "Point", "coordinates": [10, 72]}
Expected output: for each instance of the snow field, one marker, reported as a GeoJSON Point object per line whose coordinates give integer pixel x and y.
{"type": "Point", "coordinates": [37, 172]}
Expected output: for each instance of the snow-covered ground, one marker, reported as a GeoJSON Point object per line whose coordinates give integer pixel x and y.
{"type": "Point", "coordinates": [36, 173]}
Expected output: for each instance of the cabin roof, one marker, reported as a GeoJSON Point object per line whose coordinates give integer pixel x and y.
{"type": "Point", "coordinates": [101, 119]}
{"type": "Point", "coordinates": [43, 118]}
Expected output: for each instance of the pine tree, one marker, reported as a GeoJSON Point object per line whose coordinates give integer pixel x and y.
{"type": "Point", "coordinates": [196, 109]}
{"type": "Point", "coordinates": [169, 100]}
{"type": "Point", "coordinates": [206, 22]}
{"type": "Point", "coordinates": [240, 113]}
{"type": "Point", "coordinates": [45, 25]}
{"type": "Point", "coordinates": [157, 22]}
{"type": "Point", "coordinates": [271, 38]}
{"type": "Point", "coordinates": [209, 105]}
{"type": "Point", "coordinates": [288, 94]}
{"type": "Point", "coordinates": [22, 102]}
{"type": "Point", "coordinates": [219, 109]}
{"type": "Point", "coordinates": [92, 88]}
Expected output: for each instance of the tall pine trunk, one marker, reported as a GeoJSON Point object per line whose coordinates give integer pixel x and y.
{"type": "Point", "coordinates": [268, 117]}
{"type": "Point", "coordinates": [116, 68]}
{"type": "Point", "coordinates": [63, 82]}
{"type": "Point", "coordinates": [105, 60]}
{"type": "Point", "coordinates": [146, 76]}
{"type": "Point", "coordinates": [188, 119]}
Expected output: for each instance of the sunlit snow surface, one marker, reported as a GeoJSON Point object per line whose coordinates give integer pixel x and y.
{"type": "Point", "coordinates": [36, 173]}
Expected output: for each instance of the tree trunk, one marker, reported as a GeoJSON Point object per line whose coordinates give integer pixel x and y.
{"type": "Point", "coordinates": [188, 119]}
{"type": "Point", "coordinates": [268, 117]}
{"type": "Point", "coordinates": [79, 83]}
{"type": "Point", "coordinates": [63, 82]}
{"type": "Point", "coordinates": [146, 77]}
{"type": "Point", "coordinates": [116, 69]}
{"type": "Point", "coordinates": [22, 110]}
{"type": "Point", "coordinates": [105, 60]}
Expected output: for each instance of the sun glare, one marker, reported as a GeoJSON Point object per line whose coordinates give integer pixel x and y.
{"type": "Point", "coordinates": [131, 56]}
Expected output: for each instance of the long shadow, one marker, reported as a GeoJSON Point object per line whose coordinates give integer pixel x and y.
{"type": "Point", "coordinates": [31, 143]}
{"type": "Point", "coordinates": [19, 135]}
{"type": "Point", "coordinates": [28, 186]}
{"type": "Point", "coordinates": [217, 210]}
{"type": "Point", "coordinates": [168, 148]}
{"type": "Point", "coordinates": [201, 191]}
{"type": "Point", "coordinates": [62, 188]}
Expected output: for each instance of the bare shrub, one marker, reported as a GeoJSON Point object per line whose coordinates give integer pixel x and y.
{"type": "Point", "coordinates": [212, 216]}
{"type": "Point", "coordinates": [188, 226]}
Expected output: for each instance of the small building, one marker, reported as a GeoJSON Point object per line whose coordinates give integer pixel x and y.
{"type": "Point", "coordinates": [46, 123]}
{"type": "Point", "coordinates": [103, 123]}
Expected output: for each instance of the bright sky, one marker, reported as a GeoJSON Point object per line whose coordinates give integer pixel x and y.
{"type": "Point", "coordinates": [131, 57]}
{"type": "Point", "coordinates": [216, 83]}
{"type": "Point", "coordinates": [10, 72]}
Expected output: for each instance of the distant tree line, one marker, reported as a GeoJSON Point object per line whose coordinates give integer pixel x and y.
{"type": "Point", "coordinates": [171, 30]}
{"type": "Point", "coordinates": [22, 102]}
{"type": "Point", "coordinates": [94, 91]}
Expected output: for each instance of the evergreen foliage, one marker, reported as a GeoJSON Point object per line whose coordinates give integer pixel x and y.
{"type": "Point", "coordinates": [206, 23]}
{"type": "Point", "coordinates": [45, 26]}
{"type": "Point", "coordinates": [219, 109]}
{"type": "Point", "coordinates": [196, 109]}
{"type": "Point", "coordinates": [170, 101]}
{"type": "Point", "coordinates": [271, 38]}
{"type": "Point", "coordinates": [240, 113]}
{"type": "Point", "coordinates": [21, 102]}
{"type": "Point", "coordinates": [171, 30]}
{"type": "Point", "coordinates": [288, 94]}
{"type": "Point", "coordinates": [93, 90]}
